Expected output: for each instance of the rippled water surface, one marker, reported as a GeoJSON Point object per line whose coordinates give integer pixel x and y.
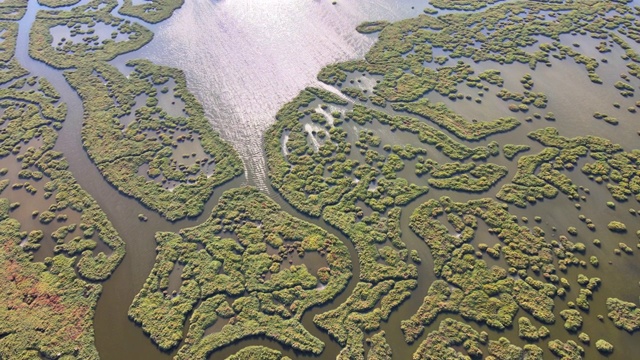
{"type": "Point", "coordinates": [246, 58]}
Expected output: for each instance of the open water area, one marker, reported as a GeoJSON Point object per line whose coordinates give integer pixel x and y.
{"type": "Point", "coordinates": [244, 59]}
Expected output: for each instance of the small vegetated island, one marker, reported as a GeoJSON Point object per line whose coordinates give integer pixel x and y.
{"type": "Point", "coordinates": [387, 140]}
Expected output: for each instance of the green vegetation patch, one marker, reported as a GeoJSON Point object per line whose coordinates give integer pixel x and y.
{"type": "Point", "coordinates": [170, 161]}
{"type": "Point", "coordinates": [370, 27]}
{"type": "Point", "coordinates": [572, 319]}
{"type": "Point", "coordinates": [296, 165]}
{"type": "Point", "coordinates": [9, 31]}
{"type": "Point", "coordinates": [79, 43]}
{"type": "Point", "coordinates": [57, 3]}
{"type": "Point", "coordinates": [379, 348]}
{"type": "Point", "coordinates": [624, 315]}
{"type": "Point", "coordinates": [527, 331]}
{"type": "Point", "coordinates": [13, 9]}
{"type": "Point", "coordinates": [361, 313]}
{"type": "Point", "coordinates": [466, 5]}
{"type": "Point", "coordinates": [467, 130]}
{"type": "Point", "coordinates": [477, 179]}
{"type": "Point", "coordinates": [445, 342]}
{"type": "Point", "coordinates": [617, 226]}
{"type": "Point", "coordinates": [479, 293]}
{"type": "Point", "coordinates": [511, 150]}
{"type": "Point", "coordinates": [244, 267]}
{"type": "Point", "coordinates": [353, 178]}
{"type": "Point", "coordinates": [346, 162]}
{"type": "Point", "coordinates": [568, 350]}
{"type": "Point", "coordinates": [503, 349]}
{"type": "Point", "coordinates": [324, 168]}
{"type": "Point", "coordinates": [151, 11]}
{"type": "Point", "coordinates": [467, 286]}
{"type": "Point", "coordinates": [10, 69]}
{"type": "Point", "coordinates": [611, 165]}
{"type": "Point", "coordinates": [48, 306]}
{"type": "Point", "coordinates": [526, 98]}
{"type": "Point", "coordinates": [604, 346]}
{"type": "Point", "coordinates": [523, 31]}
{"type": "Point", "coordinates": [257, 353]}
{"type": "Point", "coordinates": [32, 115]}
{"type": "Point", "coordinates": [47, 310]}
{"type": "Point", "coordinates": [457, 340]}
{"type": "Point", "coordinates": [540, 176]}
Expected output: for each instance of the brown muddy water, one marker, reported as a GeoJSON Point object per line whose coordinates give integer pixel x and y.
{"type": "Point", "coordinates": [243, 59]}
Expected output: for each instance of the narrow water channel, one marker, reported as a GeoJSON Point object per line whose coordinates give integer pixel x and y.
{"type": "Point", "coordinates": [212, 41]}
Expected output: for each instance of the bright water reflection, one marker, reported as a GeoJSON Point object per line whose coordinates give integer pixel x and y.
{"type": "Point", "coordinates": [245, 58]}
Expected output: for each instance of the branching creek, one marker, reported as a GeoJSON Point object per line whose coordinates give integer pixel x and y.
{"type": "Point", "coordinates": [228, 50]}
{"type": "Point", "coordinates": [116, 336]}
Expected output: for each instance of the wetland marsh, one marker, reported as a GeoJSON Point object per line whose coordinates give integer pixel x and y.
{"type": "Point", "coordinates": [359, 180]}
